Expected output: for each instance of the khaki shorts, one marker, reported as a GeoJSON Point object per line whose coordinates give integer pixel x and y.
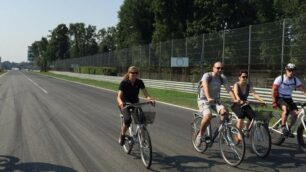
{"type": "Point", "coordinates": [205, 108]}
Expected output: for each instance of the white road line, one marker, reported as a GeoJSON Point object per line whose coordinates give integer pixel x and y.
{"type": "Point", "coordinates": [45, 91]}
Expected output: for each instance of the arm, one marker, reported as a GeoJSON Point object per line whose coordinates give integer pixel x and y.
{"type": "Point", "coordinates": [147, 96]}
{"type": "Point", "coordinates": [256, 95]}
{"type": "Point", "coordinates": [206, 91]}
{"type": "Point", "coordinates": [119, 99]}
{"type": "Point", "coordinates": [274, 92]}
{"type": "Point", "coordinates": [231, 92]}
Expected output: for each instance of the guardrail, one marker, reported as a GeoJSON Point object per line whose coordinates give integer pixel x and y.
{"type": "Point", "coordinates": [187, 87]}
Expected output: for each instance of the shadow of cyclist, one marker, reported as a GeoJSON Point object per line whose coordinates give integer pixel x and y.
{"type": "Point", "coordinates": [10, 164]}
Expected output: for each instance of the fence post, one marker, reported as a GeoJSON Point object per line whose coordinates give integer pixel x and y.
{"type": "Point", "coordinates": [283, 42]}
{"type": "Point", "coordinates": [149, 62]}
{"type": "Point", "coordinates": [249, 56]}
{"type": "Point", "coordinates": [202, 55]}
{"type": "Point", "coordinates": [223, 46]}
{"type": "Point", "coordinates": [160, 54]}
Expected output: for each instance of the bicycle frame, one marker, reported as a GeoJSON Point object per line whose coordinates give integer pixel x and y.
{"type": "Point", "coordinates": [299, 120]}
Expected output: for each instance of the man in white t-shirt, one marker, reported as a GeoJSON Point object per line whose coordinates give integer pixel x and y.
{"type": "Point", "coordinates": [282, 89]}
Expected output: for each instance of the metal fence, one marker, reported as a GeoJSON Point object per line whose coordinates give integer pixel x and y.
{"type": "Point", "coordinates": [262, 49]}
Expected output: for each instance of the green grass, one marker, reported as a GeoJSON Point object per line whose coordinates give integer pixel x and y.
{"type": "Point", "coordinates": [169, 96]}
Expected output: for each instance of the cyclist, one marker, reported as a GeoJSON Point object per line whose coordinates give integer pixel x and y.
{"type": "Point", "coordinates": [282, 89]}
{"type": "Point", "coordinates": [128, 93]}
{"type": "Point", "coordinates": [242, 89]}
{"type": "Point", "coordinates": [209, 97]}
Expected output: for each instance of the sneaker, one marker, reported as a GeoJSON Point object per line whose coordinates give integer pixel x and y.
{"type": "Point", "coordinates": [121, 140]}
{"type": "Point", "coordinates": [198, 140]}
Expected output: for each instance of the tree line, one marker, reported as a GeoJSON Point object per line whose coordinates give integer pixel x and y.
{"type": "Point", "coordinates": [152, 21]}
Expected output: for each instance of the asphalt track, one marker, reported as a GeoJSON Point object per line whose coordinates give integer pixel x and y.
{"type": "Point", "coordinates": [48, 124]}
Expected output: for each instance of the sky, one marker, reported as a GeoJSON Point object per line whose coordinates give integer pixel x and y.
{"type": "Point", "coordinates": [24, 21]}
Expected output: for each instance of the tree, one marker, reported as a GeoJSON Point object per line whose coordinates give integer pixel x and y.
{"type": "Point", "coordinates": [135, 23]}
{"type": "Point", "coordinates": [59, 43]}
{"type": "Point", "coordinates": [107, 39]}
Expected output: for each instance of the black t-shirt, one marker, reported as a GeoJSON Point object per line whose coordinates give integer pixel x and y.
{"type": "Point", "coordinates": [130, 92]}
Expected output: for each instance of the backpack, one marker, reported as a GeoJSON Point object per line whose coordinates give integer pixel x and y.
{"type": "Point", "coordinates": [294, 78]}
{"type": "Point", "coordinates": [208, 81]}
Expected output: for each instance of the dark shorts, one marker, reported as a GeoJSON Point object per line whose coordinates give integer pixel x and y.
{"type": "Point", "coordinates": [288, 102]}
{"type": "Point", "coordinates": [244, 111]}
{"type": "Point", "coordinates": [126, 112]}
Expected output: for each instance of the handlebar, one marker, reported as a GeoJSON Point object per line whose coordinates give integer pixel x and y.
{"type": "Point", "coordinates": [301, 104]}
{"type": "Point", "coordinates": [127, 104]}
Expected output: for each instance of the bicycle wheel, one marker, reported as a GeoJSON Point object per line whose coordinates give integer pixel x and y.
{"type": "Point", "coordinates": [232, 150]}
{"type": "Point", "coordinates": [195, 128]}
{"type": "Point", "coordinates": [145, 147]}
{"type": "Point", "coordinates": [301, 137]}
{"type": "Point", "coordinates": [260, 140]}
{"type": "Point", "coordinates": [129, 142]}
{"type": "Point", "coordinates": [276, 134]}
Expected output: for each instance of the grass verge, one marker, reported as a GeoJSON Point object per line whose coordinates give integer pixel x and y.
{"type": "Point", "coordinates": [169, 96]}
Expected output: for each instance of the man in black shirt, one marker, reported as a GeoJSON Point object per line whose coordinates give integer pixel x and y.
{"type": "Point", "coordinates": [128, 92]}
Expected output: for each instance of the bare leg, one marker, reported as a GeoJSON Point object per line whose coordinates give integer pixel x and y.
{"type": "Point", "coordinates": [205, 121]}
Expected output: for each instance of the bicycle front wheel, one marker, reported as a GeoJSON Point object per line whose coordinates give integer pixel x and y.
{"type": "Point", "coordinates": [260, 140]}
{"type": "Point", "coordinates": [276, 134]}
{"type": "Point", "coordinates": [145, 147]}
{"type": "Point", "coordinates": [232, 145]}
{"type": "Point", "coordinates": [195, 128]}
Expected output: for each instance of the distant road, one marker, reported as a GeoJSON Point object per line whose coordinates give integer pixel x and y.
{"type": "Point", "coordinates": [53, 125]}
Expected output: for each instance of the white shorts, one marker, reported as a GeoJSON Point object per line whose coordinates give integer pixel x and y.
{"type": "Point", "coordinates": [206, 108]}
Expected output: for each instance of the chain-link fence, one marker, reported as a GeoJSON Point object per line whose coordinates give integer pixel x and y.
{"type": "Point", "coordinates": [262, 49]}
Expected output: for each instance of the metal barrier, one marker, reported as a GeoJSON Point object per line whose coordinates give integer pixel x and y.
{"type": "Point", "coordinates": [186, 87]}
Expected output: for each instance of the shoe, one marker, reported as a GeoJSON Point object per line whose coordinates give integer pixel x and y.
{"type": "Point", "coordinates": [285, 131]}
{"type": "Point", "coordinates": [290, 134]}
{"type": "Point", "coordinates": [198, 140]}
{"type": "Point", "coordinates": [121, 140]}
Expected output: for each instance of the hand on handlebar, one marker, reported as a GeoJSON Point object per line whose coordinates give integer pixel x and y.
{"type": "Point", "coordinates": [274, 105]}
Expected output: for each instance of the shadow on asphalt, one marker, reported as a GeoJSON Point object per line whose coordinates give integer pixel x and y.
{"type": "Point", "coordinates": [185, 163]}
{"type": "Point", "coordinates": [11, 163]}
{"type": "Point", "coordinates": [282, 158]}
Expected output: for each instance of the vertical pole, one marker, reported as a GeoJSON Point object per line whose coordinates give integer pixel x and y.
{"type": "Point", "coordinates": [223, 46]}
{"type": "Point", "coordinates": [283, 43]}
{"type": "Point", "coordinates": [160, 54]}
{"type": "Point", "coordinates": [170, 59]}
{"type": "Point", "coordinates": [202, 55]}
{"type": "Point", "coordinates": [249, 56]}
{"type": "Point", "coordinates": [149, 63]}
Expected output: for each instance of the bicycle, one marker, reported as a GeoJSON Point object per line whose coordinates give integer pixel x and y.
{"type": "Point", "coordinates": [258, 133]}
{"type": "Point", "coordinates": [232, 151]}
{"type": "Point", "coordinates": [142, 114]}
{"type": "Point", "coordinates": [298, 129]}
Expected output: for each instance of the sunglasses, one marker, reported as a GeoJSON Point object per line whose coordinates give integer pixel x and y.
{"type": "Point", "coordinates": [244, 76]}
{"type": "Point", "coordinates": [219, 68]}
{"type": "Point", "coordinates": [134, 73]}
{"type": "Point", "coordinates": [290, 70]}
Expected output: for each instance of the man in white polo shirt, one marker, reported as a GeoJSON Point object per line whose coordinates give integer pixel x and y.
{"type": "Point", "coordinates": [282, 89]}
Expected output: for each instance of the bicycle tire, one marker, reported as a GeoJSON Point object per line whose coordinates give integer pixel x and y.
{"type": "Point", "coordinates": [232, 151]}
{"type": "Point", "coordinates": [145, 147]}
{"type": "Point", "coordinates": [195, 128]}
{"type": "Point", "coordinates": [277, 137]}
{"type": "Point", "coordinates": [129, 142]}
{"type": "Point", "coordinates": [301, 137]}
{"type": "Point", "coordinates": [260, 140]}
